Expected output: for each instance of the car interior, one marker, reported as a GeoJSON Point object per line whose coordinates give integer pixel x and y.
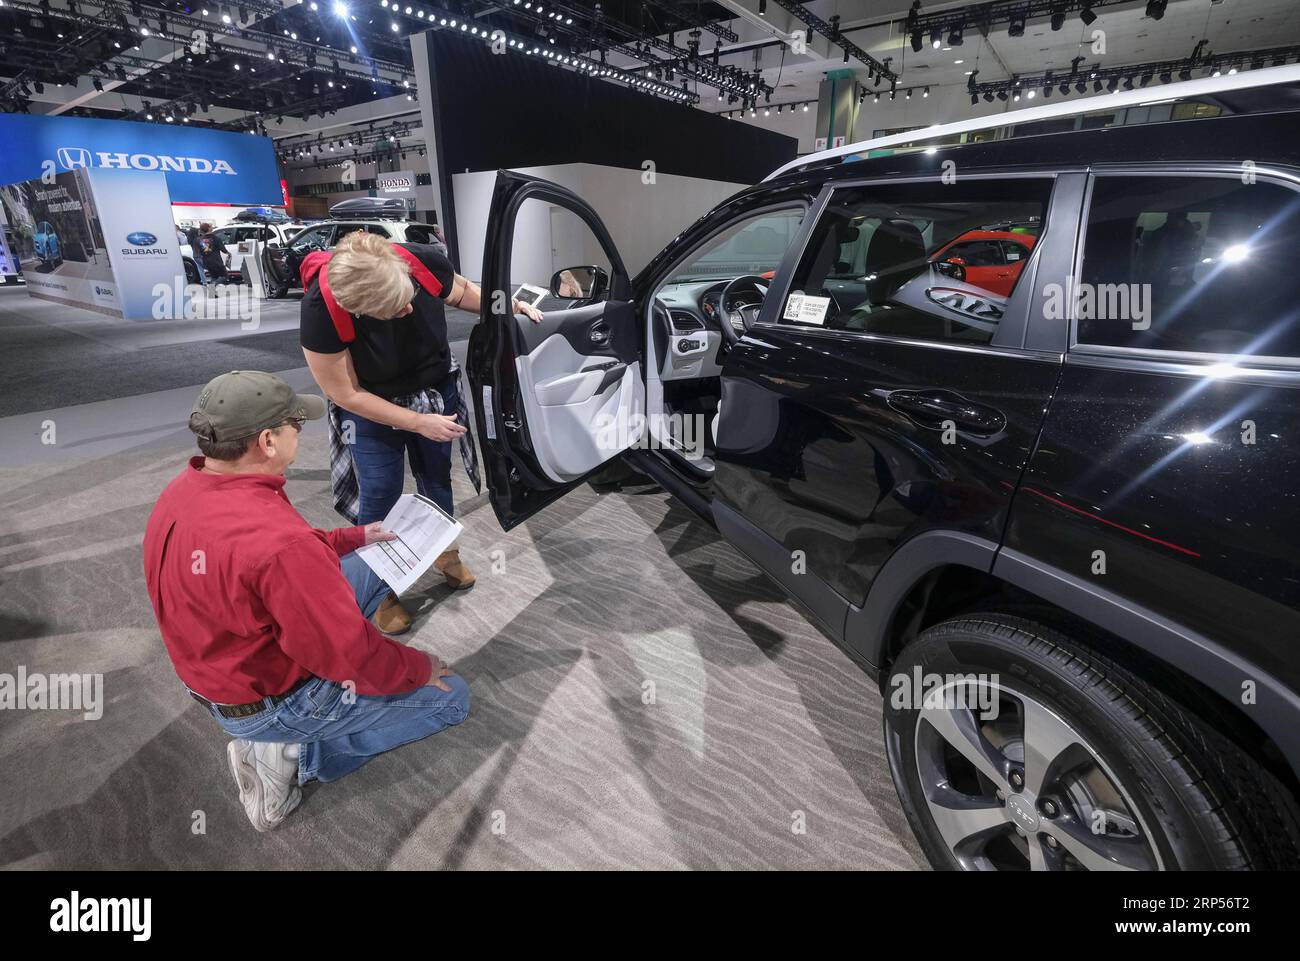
{"type": "Point", "coordinates": [723, 282]}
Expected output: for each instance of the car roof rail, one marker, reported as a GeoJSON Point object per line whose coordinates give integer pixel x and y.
{"type": "Point", "coordinates": [1206, 87]}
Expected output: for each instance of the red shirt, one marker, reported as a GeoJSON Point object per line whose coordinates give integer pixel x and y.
{"type": "Point", "coordinates": [265, 604]}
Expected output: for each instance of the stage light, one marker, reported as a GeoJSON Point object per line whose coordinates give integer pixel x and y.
{"type": "Point", "coordinates": [1087, 16]}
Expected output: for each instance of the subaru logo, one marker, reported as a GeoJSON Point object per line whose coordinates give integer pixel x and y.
{"type": "Point", "coordinates": [141, 239]}
{"type": "Point", "coordinates": [72, 157]}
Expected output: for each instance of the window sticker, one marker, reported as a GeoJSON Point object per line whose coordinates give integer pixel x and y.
{"type": "Point", "coordinates": [806, 309]}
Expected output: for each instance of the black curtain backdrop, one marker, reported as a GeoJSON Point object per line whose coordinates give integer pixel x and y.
{"type": "Point", "coordinates": [495, 111]}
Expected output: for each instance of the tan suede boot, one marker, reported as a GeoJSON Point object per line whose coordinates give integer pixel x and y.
{"type": "Point", "coordinates": [391, 617]}
{"type": "Point", "coordinates": [449, 564]}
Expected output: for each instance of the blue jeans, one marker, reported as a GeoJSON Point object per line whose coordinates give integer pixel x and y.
{"type": "Point", "coordinates": [340, 730]}
{"type": "Point", "coordinates": [378, 451]}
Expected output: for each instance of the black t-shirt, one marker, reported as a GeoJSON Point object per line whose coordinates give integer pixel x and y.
{"type": "Point", "coordinates": [391, 357]}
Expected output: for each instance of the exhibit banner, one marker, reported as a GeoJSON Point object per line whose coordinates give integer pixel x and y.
{"type": "Point", "coordinates": [97, 239]}
{"type": "Point", "coordinates": [201, 165]}
{"type": "Point", "coordinates": [142, 243]}
{"type": "Point", "coordinates": [396, 183]}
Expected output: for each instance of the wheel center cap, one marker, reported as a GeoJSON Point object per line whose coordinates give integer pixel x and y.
{"type": "Point", "coordinates": [1023, 813]}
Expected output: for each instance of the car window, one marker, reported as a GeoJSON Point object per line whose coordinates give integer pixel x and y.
{"type": "Point", "coordinates": [313, 238]}
{"type": "Point", "coordinates": [417, 234]}
{"type": "Point", "coordinates": [345, 229]}
{"type": "Point", "coordinates": [879, 258]}
{"type": "Point", "coordinates": [1190, 264]}
{"type": "Point", "coordinates": [753, 245]}
{"type": "Point", "coordinates": [977, 253]}
{"type": "Point", "coordinates": [1012, 251]}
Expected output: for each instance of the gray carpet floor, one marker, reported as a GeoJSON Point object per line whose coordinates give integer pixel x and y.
{"type": "Point", "coordinates": [760, 747]}
{"type": "Point", "coordinates": [758, 725]}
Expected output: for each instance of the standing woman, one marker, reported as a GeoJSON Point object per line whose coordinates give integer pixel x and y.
{"type": "Point", "coordinates": [375, 338]}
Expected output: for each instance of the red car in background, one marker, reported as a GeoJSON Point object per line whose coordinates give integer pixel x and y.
{"type": "Point", "coordinates": [991, 259]}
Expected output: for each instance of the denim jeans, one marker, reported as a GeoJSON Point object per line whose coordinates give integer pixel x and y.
{"type": "Point", "coordinates": [378, 451]}
{"type": "Point", "coordinates": [340, 730]}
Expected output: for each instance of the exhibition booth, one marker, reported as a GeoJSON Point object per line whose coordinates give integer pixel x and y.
{"type": "Point", "coordinates": [92, 207]}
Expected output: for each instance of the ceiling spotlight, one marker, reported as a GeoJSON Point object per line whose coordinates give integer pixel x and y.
{"type": "Point", "coordinates": [917, 41]}
{"type": "Point", "coordinates": [1184, 74]}
{"type": "Point", "coordinates": [1156, 8]}
{"type": "Point", "coordinates": [1081, 87]}
{"type": "Point", "coordinates": [1128, 83]}
{"type": "Point", "coordinates": [1087, 16]}
{"type": "Point", "coordinates": [926, 93]}
{"type": "Point", "coordinates": [988, 96]}
{"type": "Point", "coordinates": [936, 37]}
{"type": "Point", "coordinates": [1058, 18]}
{"type": "Point", "coordinates": [1112, 84]}
{"type": "Point", "coordinates": [954, 37]}
{"type": "Point", "coordinates": [340, 8]}
{"type": "Point", "coordinates": [974, 99]}
{"type": "Point", "coordinates": [1016, 28]}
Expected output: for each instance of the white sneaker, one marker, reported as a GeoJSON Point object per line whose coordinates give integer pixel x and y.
{"type": "Point", "coordinates": [267, 775]}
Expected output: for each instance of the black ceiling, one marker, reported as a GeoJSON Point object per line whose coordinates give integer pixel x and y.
{"type": "Point", "coordinates": [314, 68]}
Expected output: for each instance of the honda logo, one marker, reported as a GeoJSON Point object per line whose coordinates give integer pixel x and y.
{"type": "Point", "coordinates": [71, 158]}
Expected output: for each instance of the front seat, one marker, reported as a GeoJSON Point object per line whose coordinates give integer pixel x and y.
{"type": "Point", "coordinates": [895, 254]}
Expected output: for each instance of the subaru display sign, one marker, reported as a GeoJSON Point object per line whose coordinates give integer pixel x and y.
{"type": "Point", "coordinates": [202, 166]}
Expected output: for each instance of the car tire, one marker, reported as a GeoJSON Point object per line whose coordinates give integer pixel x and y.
{"type": "Point", "coordinates": [192, 274]}
{"type": "Point", "coordinates": [1134, 779]}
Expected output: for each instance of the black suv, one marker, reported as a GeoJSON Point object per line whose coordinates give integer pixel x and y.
{"type": "Point", "coordinates": [1052, 512]}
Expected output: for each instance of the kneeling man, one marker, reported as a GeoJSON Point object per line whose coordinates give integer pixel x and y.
{"type": "Point", "coordinates": [271, 623]}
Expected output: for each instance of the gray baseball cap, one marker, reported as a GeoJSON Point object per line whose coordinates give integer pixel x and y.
{"type": "Point", "coordinates": [244, 402]}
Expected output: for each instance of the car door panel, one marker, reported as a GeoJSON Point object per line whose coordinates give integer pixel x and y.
{"type": "Point", "coordinates": [553, 400]}
{"type": "Point", "coordinates": [832, 443]}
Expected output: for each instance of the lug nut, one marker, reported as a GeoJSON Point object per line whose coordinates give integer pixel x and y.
{"type": "Point", "coordinates": [1002, 798]}
{"type": "Point", "coordinates": [1050, 841]}
{"type": "Point", "coordinates": [1017, 779]}
{"type": "Point", "coordinates": [1049, 808]}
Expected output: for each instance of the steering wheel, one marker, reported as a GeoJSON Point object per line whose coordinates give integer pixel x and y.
{"type": "Point", "coordinates": [734, 321]}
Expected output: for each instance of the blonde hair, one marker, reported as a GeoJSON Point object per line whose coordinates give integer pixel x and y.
{"type": "Point", "coordinates": [366, 276]}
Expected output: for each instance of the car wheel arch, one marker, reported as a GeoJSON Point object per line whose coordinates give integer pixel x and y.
{"type": "Point", "coordinates": [939, 575]}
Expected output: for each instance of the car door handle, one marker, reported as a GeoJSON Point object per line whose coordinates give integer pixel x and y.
{"type": "Point", "coordinates": [599, 333]}
{"type": "Point", "coordinates": [931, 407]}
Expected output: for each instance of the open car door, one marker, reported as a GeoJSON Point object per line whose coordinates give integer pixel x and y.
{"type": "Point", "coordinates": [554, 400]}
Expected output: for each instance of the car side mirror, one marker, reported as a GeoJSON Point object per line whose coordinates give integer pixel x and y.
{"type": "Point", "coordinates": [579, 283]}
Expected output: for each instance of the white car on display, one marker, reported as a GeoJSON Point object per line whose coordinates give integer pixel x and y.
{"type": "Point", "coordinates": [264, 224]}
{"type": "Point", "coordinates": [387, 218]}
